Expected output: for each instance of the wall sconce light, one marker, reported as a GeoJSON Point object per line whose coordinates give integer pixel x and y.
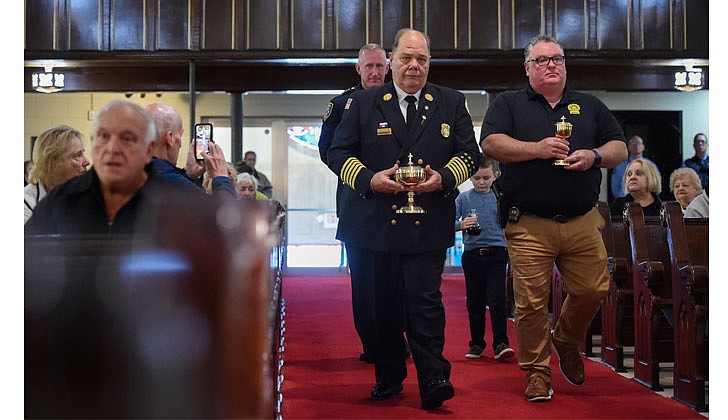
{"type": "Point", "coordinates": [48, 81]}
{"type": "Point", "coordinates": [689, 80]}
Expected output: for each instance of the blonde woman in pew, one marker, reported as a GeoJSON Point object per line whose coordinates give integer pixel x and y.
{"type": "Point", "coordinates": [58, 155]}
{"type": "Point", "coordinates": [642, 184]}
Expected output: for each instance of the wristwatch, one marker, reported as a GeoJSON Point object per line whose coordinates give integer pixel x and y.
{"type": "Point", "coordinates": [597, 159]}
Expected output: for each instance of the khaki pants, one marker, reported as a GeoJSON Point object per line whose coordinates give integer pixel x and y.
{"type": "Point", "coordinates": [577, 249]}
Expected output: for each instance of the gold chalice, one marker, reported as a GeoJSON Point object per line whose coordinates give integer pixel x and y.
{"type": "Point", "coordinates": [408, 176]}
{"type": "Point", "coordinates": [563, 131]}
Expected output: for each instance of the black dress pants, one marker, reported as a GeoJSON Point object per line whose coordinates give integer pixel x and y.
{"type": "Point", "coordinates": [362, 297]}
{"type": "Point", "coordinates": [406, 286]}
{"type": "Point", "coordinates": [485, 285]}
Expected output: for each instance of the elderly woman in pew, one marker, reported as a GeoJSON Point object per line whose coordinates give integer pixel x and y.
{"type": "Point", "coordinates": [688, 191]}
{"type": "Point", "coordinates": [685, 186]}
{"type": "Point", "coordinates": [58, 155]}
{"type": "Point", "coordinates": [642, 184]}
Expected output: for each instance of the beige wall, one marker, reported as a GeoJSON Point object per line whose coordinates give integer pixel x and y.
{"type": "Point", "coordinates": [43, 111]}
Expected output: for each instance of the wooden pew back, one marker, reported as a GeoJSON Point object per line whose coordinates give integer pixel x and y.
{"type": "Point", "coordinates": [650, 251]}
{"type": "Point", "coordinates": [688, 242]}
{"type": "Point", "coordinates": [172, 324]}
{"type": "Point", "coordinates": [652, 284]}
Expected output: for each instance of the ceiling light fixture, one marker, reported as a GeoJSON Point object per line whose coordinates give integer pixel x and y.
{"type": "Point", "coordinates": [48, 81]}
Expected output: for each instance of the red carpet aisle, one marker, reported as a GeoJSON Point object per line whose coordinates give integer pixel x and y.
{"type": "Point", "coordinates": [325, 380]}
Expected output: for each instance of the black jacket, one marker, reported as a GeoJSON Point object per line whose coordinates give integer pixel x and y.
{"type": "Point", "coordinates": [371, 137]}
{"type": "Point", "coordinates": [77, 207]}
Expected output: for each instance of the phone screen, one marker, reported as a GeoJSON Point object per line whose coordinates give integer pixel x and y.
{"type": "Point", "coordinates": [203, 135]}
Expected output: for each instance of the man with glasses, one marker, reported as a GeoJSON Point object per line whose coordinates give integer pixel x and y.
{"type": "Point", "coordinates": [549, 210]}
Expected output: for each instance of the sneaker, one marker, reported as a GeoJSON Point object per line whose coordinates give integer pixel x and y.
{"type": "Point", "coordinates": [570, 363]}
{"type": "Point", "coordinates": [502, 351]}
{"type": "Point", "coordinates": [474, 353]}
{"type": "Point", "coordinates": [539, 387]}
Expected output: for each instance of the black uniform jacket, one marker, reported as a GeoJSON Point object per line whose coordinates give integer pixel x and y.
{"type": "Point", "coordinates": [371, 137]}
{"type": "Point", "coordinates": [331, 120]}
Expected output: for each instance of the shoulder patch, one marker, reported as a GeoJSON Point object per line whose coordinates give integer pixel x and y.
{"type": "Point", "coordinates": [329, 108]}
{"type": "Point", "coordinates": [348, 103]}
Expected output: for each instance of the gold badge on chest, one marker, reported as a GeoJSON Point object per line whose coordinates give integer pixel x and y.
{"type": "Point", "coordinates": [445, 130]}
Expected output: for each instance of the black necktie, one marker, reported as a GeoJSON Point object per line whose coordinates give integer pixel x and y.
{"type": "Point", "coordinates": [411, 110]}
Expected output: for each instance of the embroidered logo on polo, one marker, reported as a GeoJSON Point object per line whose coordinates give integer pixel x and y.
{"type": "Point", "coordinates": [574, 109]}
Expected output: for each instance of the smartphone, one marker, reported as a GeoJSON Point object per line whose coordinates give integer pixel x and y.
{"type": "Point", "coordinates": [203, 136]}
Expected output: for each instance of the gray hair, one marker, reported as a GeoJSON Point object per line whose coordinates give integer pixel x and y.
{"type": "Point", "coordinates": [165, 119]}
{"type": "Point", "coordinates": [150, 128]}
{"type": "Point", "coordinates": [246, 178]}
{"type": "Point", "coordinates": [371, 47]}
{"type": "Point", "coordinates": [403, 31]}
{"type": "Point", "coordinates": [540, 38]}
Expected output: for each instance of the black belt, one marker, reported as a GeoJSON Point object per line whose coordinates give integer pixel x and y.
{"type": "Point", "coordinates": [487, 250]}
{"type": "Point", "coordinates": [559, 218]}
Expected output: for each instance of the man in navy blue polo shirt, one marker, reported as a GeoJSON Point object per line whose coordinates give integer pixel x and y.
{"type": "Point", "coordinates": [550, 209]}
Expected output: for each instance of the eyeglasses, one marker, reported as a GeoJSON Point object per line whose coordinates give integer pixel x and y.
{"type": "Point", "coordinates": [544, 61]}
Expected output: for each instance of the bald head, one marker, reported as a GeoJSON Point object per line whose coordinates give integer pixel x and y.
{"type": "Point", "coordinates": [168, 138]}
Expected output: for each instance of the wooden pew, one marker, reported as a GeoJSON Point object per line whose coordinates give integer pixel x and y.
{"type": "Point", "coordinates": [652, 284]}
{"type": "Point", "coordinates": [175, 324]}
{"type": "Point", "coordinates": [688, 244]}
{"type": "Point", "coordinates": [617, 309]}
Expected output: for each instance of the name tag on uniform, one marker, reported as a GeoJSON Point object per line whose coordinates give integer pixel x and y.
{"type": "Point", "coordinates": [384, 129]}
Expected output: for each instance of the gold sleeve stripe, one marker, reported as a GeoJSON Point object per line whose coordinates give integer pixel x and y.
{"type": "Point", "coordinates": [459, 169]}
{"type": "Point", "coordinates": [350, 170]}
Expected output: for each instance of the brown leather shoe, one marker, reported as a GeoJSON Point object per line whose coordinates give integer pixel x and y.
{"type": "Point", "coordinates": [539, 387]}
{"type": "Point", "coordinates": [570, 363]}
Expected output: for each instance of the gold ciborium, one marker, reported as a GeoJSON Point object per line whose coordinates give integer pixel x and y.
{"type": "Point", "coordinates": [408, 176]}
{"type": "Point", "coordinates": [563, 131]}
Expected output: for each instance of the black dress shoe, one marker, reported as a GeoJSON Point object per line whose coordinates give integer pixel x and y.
{"type": "Point", "coordinates": [436, 391]}
{"type": "Point", "coordinates": [384, 391]}
{"type": "Point", "coordinates": [364, 358]}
